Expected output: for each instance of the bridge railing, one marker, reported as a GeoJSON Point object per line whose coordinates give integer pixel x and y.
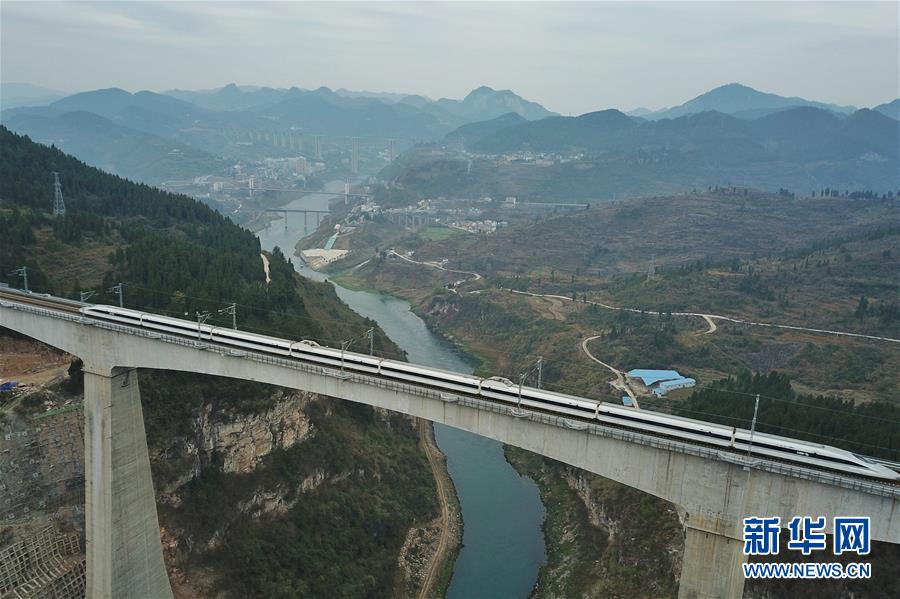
{"type": "Point", "coordinates": [602, 430]}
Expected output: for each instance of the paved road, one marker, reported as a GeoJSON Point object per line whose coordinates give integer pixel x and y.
{"type": "Point", "coordinates": [711, 317]}
{"type": "Point", "coordinates": [475, 276]}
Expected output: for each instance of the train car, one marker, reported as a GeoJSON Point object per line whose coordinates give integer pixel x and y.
{"type": "Point", "coordinates": [503, 390]}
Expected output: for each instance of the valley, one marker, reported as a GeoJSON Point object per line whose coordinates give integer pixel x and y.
{"type": "Point", "coordinates": [743, 243]}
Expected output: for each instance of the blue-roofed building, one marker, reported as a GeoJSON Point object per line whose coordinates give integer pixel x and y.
{"type": "Point", "coordinates": [680, 383]}
{"type": "Point", "coordinates": [650, 377]}
{"type": "Point", "coordinates": [661, 382]}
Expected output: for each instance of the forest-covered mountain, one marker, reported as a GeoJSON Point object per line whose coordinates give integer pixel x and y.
{"type": "Point", "coordinates": [371, 482]}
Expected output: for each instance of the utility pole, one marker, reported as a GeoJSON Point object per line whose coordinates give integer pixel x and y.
{"type": "Point", "coordinates": [540, 370]}
{"type": "Point", "coordinates": [371, 334]}
{"type": "Point", "coordinates": [59, 206]}
{"type": "Point", "coordinates": [232, 309]}
{"type": "Point", "coordinates": [354, 155]}
{"type": "Point", "coordinates": [86, 295]}
{"type": "Point", "coordinates": [22, 272]}
{"type": "Point", "coordinates": [201, 318]}
{"type": "Point", "coordinates": [521, 382]}
{"type": "Point", "coordinates": [117, 289]}
{"type": "Point", "coordinates": [753, 425]}
{"type": "Point", "coordinates": [344, 346]}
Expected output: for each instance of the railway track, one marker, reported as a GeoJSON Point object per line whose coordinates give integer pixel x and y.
{"type": "Point", "coordinates": [41, 300]}
{"type": "Point", "coordinates": [73, 307]}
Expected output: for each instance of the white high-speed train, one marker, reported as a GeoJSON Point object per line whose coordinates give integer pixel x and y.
{"type": "Point", "coordinates": [504, 391]}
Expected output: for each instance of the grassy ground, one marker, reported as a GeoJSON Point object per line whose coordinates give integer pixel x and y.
{"type": "Point", "coordinates": [439, 233]}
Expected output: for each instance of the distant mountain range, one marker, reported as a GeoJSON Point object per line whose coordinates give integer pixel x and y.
{"type": "Point", "coordinates": [802, 133]}
{"type": "Point", "coordinates": [212, 122]}
{"type": "Point", "coordinates": [891, 109]}
{"type": "Point", "coordinates": [804, 149]}
{"type": "Point", "coordinates": [486, 103]}
{"type": "Point", "coordinates": [480, 104]}
{"type": "Point", "coordinates": [159, 115]}
{"type": "Point", "coordinates": [730, 124]}
{"type": "Point", "coordinates": [13, 95]}
{"type": "Point", "coordinates": [737, 100]}
{"type": "Point", "coordinates": [120, 150]}
{"type": "Point", "coordinates": [474, 132]}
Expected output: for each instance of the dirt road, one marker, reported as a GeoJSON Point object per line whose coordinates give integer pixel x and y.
{"type": "Point", "coordinates": [435, 460]}
{"type": "Point", "coordinates": [620, 382]}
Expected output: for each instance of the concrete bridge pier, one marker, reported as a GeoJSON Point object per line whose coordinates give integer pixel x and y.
{"type": "Point", "coordinates": [713, 554]}
{"type": "Point", "coordinates": [124, 554]}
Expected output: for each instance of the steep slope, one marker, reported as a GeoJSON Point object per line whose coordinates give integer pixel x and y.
{"type": "Point", "coordinates": [244, 473]}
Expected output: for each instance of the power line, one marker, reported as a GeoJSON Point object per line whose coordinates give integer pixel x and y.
{"type": "Point", "coordinates": [785, 428]}
{"type": "Point", "coordinates": [711, 386]}
{"type": "Point", "coordinates": [240, 305]}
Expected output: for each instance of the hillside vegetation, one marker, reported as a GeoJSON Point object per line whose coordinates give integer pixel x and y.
{"type": "Point", "coordinates": [177, 256]}
{"type": "Point", "coordinates": [602, 155]}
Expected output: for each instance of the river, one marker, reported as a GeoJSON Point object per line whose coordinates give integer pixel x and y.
{"type": "Point", "coordinates": [503, 545]}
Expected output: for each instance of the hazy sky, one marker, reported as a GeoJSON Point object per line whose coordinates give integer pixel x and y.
{"type": "Point", "coordinates": [571, 57]}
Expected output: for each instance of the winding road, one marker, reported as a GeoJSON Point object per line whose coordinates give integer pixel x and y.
{"type": "Point", "coordinates": [710, 318]}
{"type": "Point", "coordinates": [620, 382]}
{"type": "Point", "coordinates": [475, 275]}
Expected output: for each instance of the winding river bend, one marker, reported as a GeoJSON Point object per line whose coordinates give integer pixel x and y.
{"type": "Point", "coordinates": [503, 546]}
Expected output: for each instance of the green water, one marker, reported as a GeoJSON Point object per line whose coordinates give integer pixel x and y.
{"type": "Point", "coordinates": [503, 546]}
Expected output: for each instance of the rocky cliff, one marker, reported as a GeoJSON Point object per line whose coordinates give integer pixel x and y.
{"type": "Point", "coordinates": [603, 539]}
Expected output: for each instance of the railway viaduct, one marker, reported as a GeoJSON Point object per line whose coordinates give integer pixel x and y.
{"type": "Point", "coordinates": [713, 490]}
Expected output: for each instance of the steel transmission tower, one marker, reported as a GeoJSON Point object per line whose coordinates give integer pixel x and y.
{"type": "Point", "coordinates": [318, 140]}
{"type": "Point", "coordinates": [354, 155]}
{"type": "Point", "coordinates": [391, 153]}
{"type": "Point", "coordinates": [59, 206]}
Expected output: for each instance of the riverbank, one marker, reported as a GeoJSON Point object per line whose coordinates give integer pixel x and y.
{"type": "Point", "coordinates": [502, 548]}
{"type": "Point", "coordinates": [590, 522]}
{"type": "Point", "coordinates": [440, 570]}
{"type": "Point", "coordinates": [603, 539]}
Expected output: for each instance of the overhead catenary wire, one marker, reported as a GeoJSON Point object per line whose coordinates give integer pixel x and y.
{"type": "Point", "coordinates": [332, 342]}
{"type": "Point", "coordinates": [709, 386]}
